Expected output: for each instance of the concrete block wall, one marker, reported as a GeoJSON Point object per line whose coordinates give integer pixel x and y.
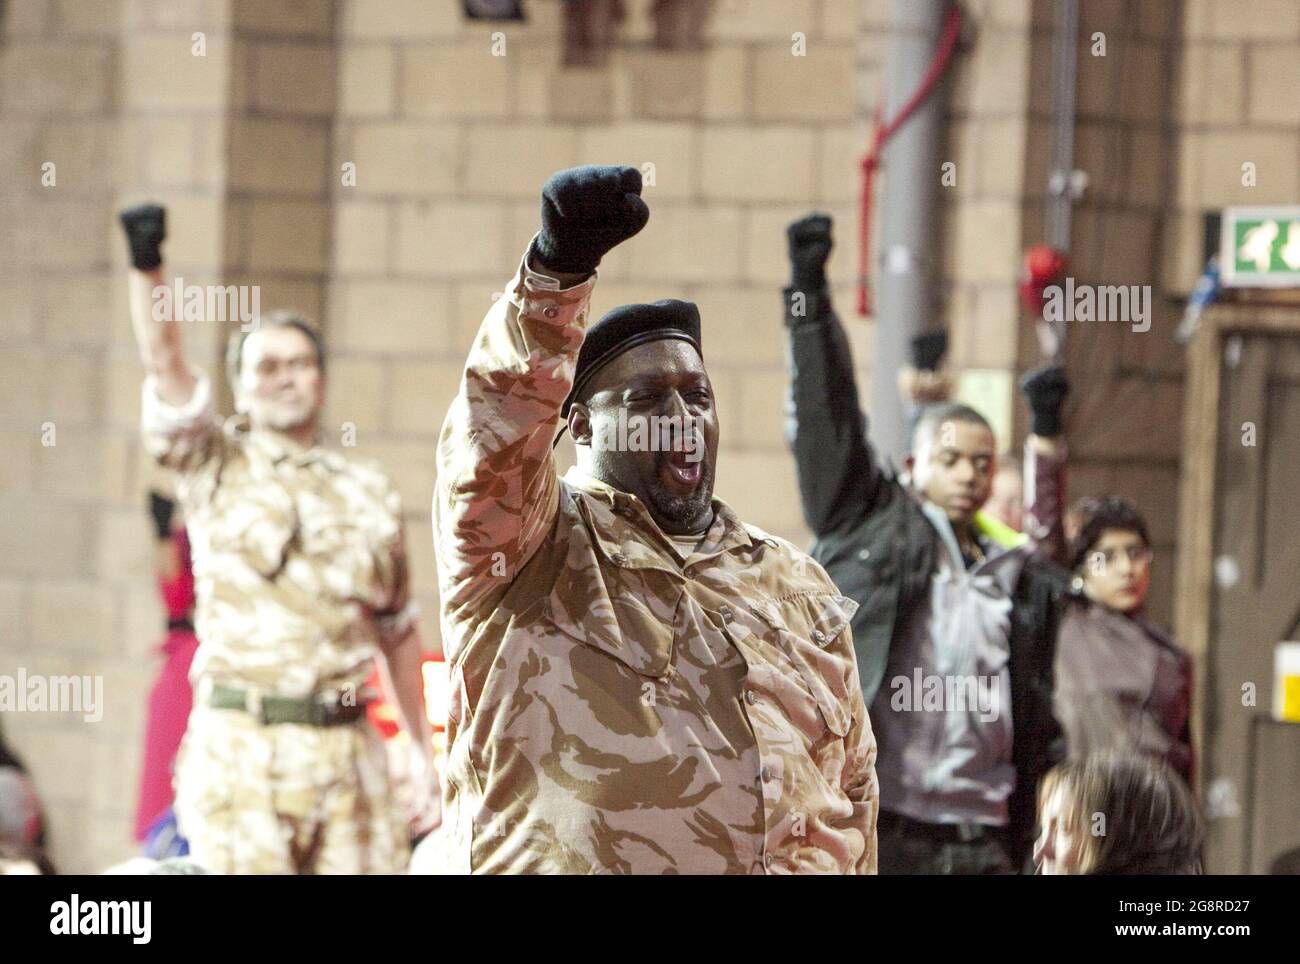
{"type": "Point", "coordinates": [987, 94]}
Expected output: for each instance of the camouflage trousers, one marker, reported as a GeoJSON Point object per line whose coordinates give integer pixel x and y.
{"type": "Point", "coordinates": [287, 799]}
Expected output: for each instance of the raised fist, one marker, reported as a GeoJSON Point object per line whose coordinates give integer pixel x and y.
{"type": "Point", "coordinates": [146, 229]}
{"type": "Point", "coordinates": [928, 349]}
{"type": "Point", "coordinates": [586, 211]}
{"type": "Point", "coordinates": [810, 246]}
{"type": "Point", "coordinates": [1045, 388]}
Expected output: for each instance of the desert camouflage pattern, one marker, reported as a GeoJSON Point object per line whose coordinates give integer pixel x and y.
{"type": "Point", "coordinates": [617, 707]}
{"type": "Point", "coordinates": [300, 574]}
{"type": "Point", "coordinates": [299, 560]}
{"type": "Point", "coordinates": [286, 799]}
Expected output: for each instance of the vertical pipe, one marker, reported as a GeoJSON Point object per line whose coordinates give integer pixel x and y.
{"type": "Point", "coordinates": [1060, 195]}
{"type": "Point", "coordinates": [907, 268]}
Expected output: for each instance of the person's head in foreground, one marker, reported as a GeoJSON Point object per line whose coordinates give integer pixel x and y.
{"type": "Point", "coordinates": [277, 372]}
{"type": "Point", "coordinates": [1117, 814]}
{"type": "Point", "coordinates": [1111, 554]}
{"type": "Point", "coordinates": [642, 412]}
{"type": "Point", "coordinates": [953, 460]}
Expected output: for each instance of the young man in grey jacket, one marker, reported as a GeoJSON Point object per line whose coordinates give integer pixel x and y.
{"type": "Point", "coordinates": [955, 634]}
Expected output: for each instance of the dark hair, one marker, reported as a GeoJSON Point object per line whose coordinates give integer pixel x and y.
{"type": "Point", "coordinates": [276, 319]}
{"type": "Point", "coordinates": [1152, 824]}
{"type": "Point", "coordinates": [933, 415]}
{"type": "Point", "coordinates": [1096, 515]}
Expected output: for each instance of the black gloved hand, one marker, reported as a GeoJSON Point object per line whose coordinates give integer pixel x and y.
{"type": "Point", "coordinates": [161, 508]}
{"type": "Point", "coordinates": [146, 229]}
{"type": "Point", "coordinates": [586, 211]}
{"type": "Point", "coordinates": [928, 349]}
{"type": "Point", "coordinates": [1045, 389]}
{"type": "Point", "coordinates": [810, 246]}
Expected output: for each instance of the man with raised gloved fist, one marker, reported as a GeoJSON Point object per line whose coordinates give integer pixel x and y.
{"type": "Point", "coordinates": [641, 682]}
{"type": "Point", "coordinates": [955, 633]}
{"type": "Point", "coordinates": [301, 581]}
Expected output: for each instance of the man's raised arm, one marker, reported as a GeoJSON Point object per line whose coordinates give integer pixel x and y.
{"type": "Point", "coordinates": [839, 481]}
{"type": "Point", "coordinates": [158, 339]}
{"type": "Point", "coordinates": [178, 419]}
{"type": "Point", "coordinates": [496, 494]}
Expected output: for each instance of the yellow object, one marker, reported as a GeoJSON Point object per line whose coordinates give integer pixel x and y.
{"type": "Point", "coordinates": [1286, 682]}
{"type": "Point", "coordinates": [998, 531]}
{"type": "Point", "coordinates": [1291, 699]}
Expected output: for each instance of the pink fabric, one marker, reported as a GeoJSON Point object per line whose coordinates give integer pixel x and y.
{"type": "Point", "coordinates": [170, 699]}
{"type": "Point", "coordinates": [178, 593]}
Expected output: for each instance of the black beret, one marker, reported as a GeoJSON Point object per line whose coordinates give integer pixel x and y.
{"type": "Point", "coordinates": [628, 326]}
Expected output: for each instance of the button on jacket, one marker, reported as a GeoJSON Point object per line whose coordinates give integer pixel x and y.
{"type": "Point", "coordinates": [621, 703]}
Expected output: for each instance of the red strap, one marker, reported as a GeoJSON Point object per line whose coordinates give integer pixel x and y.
{"type": "Point", "coordinates": [952, 28]}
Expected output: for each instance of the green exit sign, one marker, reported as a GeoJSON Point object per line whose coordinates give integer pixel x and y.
{"type": "Point", "coordinates": [1260, 247]}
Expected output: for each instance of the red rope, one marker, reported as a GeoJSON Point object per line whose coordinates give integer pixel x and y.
{"type": "Point", "coordinates": [952, 27]}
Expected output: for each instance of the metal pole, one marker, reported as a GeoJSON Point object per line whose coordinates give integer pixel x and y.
{"type": "Point", "coordinates": [1060, 187]}
{"type": "Point", "coordinates": [905, 299]}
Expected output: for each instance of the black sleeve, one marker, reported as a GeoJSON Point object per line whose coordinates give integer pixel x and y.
{"type": "Point", "coordinates": [839, 480]}
{"type": "Point", "coordinates": [1058, 595]}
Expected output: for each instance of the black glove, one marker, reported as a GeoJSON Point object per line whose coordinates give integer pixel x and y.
{"type": "Point", "coordinates": [1045, 389]}
{"type": "Point", "coordinates": [585, 212]}
{"type": "Point", "coordinates": [161, 507]}
{"type": "Point", "coordinates": [928, 349]}
{"type": "Point", "coordinates": [810, 246]}
{"type": "Point", "coordinates": [146, 229]}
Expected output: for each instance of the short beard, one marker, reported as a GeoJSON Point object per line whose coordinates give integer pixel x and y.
{"type": "Point", "coordinates": [676, 510]}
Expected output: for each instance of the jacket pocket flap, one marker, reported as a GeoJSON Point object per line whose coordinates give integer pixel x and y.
{"type": "Point", "coordinates": [807, 624]}
{"type": "Point", "coordinates": [632, 623]}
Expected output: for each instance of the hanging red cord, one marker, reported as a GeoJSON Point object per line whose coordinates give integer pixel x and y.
{"type": "Point", "coordinates": [951, 29]}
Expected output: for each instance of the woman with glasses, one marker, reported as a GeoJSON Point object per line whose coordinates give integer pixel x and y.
{"type": "Point", "coordinates": [1121, 683]}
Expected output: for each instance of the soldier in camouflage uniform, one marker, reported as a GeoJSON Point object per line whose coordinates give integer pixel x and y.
{"type": "Point", "coordinates": [301, 581]}
{"type": "Point", "coordinates": [641, 682]}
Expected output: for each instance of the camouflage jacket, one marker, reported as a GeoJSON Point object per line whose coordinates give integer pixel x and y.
{"type": "Point", "coordinates": [616, 707]}
{"type": "Point", "coordinates": [299, 559]}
